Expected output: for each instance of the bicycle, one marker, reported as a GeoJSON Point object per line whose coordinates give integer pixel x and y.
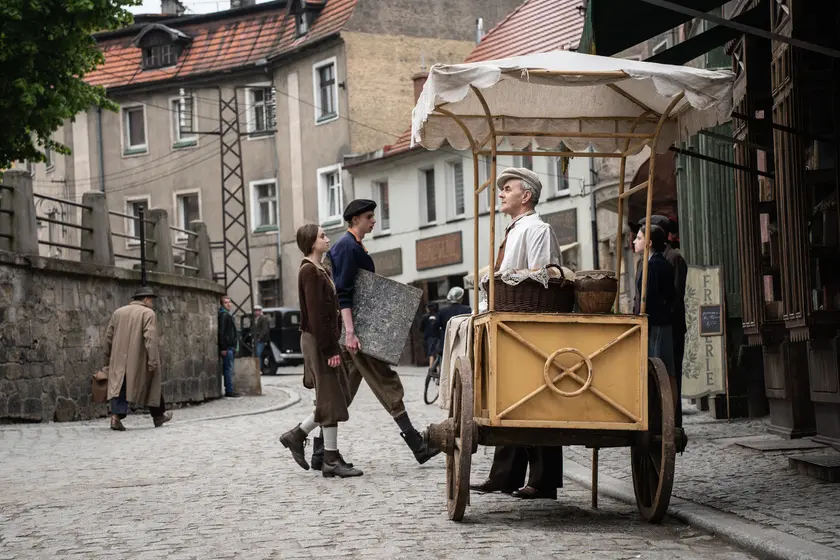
{"type": "Point", "coordinates": [433, 382]}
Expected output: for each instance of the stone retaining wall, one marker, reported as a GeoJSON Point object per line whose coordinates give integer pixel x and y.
{"type": "Point", "coordinates": [53, 316]}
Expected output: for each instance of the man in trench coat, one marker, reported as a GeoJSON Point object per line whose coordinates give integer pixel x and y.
{"type": "Point", "coordinates": [133, 358]}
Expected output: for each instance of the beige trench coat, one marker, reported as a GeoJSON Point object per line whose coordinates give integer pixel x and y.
{"type": "Point", "coordinates": [132, 353]}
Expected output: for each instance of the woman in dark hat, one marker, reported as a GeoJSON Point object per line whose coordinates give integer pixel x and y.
{"type": "Point", "coordinates": [320, 330]}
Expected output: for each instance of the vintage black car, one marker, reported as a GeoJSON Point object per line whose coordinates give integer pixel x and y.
{"type": "Point", "coordinates": [284, 336]}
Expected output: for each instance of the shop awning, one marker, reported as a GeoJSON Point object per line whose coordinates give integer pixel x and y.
{"type": "Point", "coordinates": [613, 26]}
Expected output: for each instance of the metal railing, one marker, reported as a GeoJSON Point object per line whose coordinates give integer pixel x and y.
{"type": "Point", "coordinates": [65, 224]}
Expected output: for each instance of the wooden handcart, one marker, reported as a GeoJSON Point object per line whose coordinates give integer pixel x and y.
{"type": "Point", "coordinates": [549, 379]}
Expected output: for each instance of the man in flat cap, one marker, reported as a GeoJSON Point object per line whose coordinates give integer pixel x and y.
{"type": "Point", "coordinates": [529, 243]}
{"type": "Point", "coordinates": [133, 359]}
{"type": "Point", "coordinates": [674, 256]}
{"type": "Point", "coordinates": [347, 256]}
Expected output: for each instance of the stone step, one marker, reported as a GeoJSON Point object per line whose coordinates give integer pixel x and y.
{"type": "Point", "coordinates": [823, 467]}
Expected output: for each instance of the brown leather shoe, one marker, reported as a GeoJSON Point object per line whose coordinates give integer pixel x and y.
{"type": "Point", "coordinates": [531, 493]}
{"type": "Point", "coordinates": [161, 420]}
{"type": "Point", "coordinates": [488, 486]}
{"type": "Point", "coordinates": [116, 425]}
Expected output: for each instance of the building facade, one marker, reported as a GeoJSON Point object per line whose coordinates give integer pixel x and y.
{"type": "Point", "coordinates": [307, 82]}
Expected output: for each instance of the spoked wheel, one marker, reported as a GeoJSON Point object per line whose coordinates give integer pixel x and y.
{"type": "Point", "coordinates": [459, 461]}
{"type": "Point", "coordinates": [431, 391]}
{"type": "Point", "coordinates": [654, 453]}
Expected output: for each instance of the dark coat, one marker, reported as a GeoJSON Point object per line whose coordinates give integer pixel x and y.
{"type": "Point", "coordinates": [660, 290]}
{"type": "Point", "coordinates": [445, 315]}
{"type": "Point", "coordinates": [262, 327]}
{"type": "Point", "coordinates": [320, 325]}
{"type": "Point", "coordinates": [674, 256]}
{"type": "Point", "coordinates": [227, 330]}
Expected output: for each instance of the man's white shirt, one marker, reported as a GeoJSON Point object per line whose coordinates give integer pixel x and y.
{"type": "Point", "coordinates": [531, 244]}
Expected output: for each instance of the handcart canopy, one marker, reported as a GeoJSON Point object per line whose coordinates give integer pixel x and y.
{"type": "Point", "coordinates": [562, 91]}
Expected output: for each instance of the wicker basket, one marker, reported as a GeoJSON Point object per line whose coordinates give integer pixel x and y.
{"type": "Point", "coordinates": [530, 296]}
{"type": "Point", "coordinates": [595, 290]}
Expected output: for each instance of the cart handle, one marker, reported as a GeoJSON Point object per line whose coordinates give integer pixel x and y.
{"type": "Point", "coordinates": [547, 369]}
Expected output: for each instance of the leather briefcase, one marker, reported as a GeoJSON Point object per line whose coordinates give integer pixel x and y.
{"type": "Point", "coordinates": [99, 386]}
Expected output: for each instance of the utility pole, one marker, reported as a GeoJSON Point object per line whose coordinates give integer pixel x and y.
{"type": "Point", "coordinates": [236, 245]}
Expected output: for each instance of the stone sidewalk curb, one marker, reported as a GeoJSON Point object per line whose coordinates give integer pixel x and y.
{"type": "Point", "coordinates": [754, 538]}
{"type": "Point", "coordinates": [293, 399]}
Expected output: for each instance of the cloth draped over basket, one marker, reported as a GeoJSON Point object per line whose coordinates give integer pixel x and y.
{"type": "Point", "coordinates": [457, 343]}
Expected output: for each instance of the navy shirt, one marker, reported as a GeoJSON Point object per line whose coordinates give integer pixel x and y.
{"type": "Point", "coordinates": [347, 257]}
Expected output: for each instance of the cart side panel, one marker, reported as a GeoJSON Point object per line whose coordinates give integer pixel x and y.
{"type": "Point", "coordinates": [619, 385]}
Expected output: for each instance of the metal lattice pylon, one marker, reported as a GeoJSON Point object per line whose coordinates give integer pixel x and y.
{"type": "Point", "coordinates": [237, 254]}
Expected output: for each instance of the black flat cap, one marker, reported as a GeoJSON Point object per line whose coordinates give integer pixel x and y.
{"type": "Point", "coordinates": [664, 222]}
{"type": "Point", "coordinates": [144, 292]}
{"type": "Point", "coordinates": [358, 207]}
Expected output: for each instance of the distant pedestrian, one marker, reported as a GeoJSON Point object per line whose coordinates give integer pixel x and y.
{"type": "Point", "coordinates": [262, 326]}
{"type": "Point", "coordinates": [133, 358]}
{"type": "Point", "coordinates": [320, 325]}
{"type": "Point", "coordinates": [429, 328]}
{"type": "Point", "coordinates": [227, 343]}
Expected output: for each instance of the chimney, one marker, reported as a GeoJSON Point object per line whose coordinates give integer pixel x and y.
{"type": "Point", "coordinates": [235, 4]}
{"type": "Point", "coordinates": [172, 8]}
{"type": "Point", "coordinates": [479, 30]}
{"type": "Point", "coordinates": [419, 80]}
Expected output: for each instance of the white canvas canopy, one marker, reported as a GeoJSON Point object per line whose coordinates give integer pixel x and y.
{"type": "Point", "coordinates": [602, 95]}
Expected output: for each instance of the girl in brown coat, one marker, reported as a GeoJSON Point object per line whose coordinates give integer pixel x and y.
{"type": "Point", "coordinates": [320, 326]}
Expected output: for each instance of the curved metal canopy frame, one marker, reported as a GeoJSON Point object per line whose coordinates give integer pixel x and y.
{"type": "Point", "coordinates": [480, 148]}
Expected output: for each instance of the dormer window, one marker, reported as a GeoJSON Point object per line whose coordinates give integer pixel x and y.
{"type": "Point", "coordinates": [159, 56]}
{"type": "Point", "coordinates": [161, 45]}
{"type": "Point", "coordinates": [302, 20]}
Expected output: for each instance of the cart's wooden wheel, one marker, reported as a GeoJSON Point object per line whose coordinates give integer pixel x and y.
{"type": "Point", "coordinates": [459, 461]}
{"type": "Point", "coordinates": [654, 453]}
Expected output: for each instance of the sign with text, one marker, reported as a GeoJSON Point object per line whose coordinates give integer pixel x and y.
{"type": "Point", "coordinates": [441, 250]}
{"type": "Point", "coordinates": [705, 348]}
{"type": "Point", "coordinates": [564, 224]}
{"type": "Point", "coordinates": [388, 263]}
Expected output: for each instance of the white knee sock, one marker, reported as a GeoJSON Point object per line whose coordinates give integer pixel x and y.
{"type": "Point", "coordinates": [308, 424]}
{"type": "Point", "coordinates": [331, 438]}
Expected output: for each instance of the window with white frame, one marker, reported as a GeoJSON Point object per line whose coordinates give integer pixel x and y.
{"type": "Point", "coordinates": [485, 199]}
{"type": "Point", "coordinates": [383, 205]}
{"type": "Point", "coordinates": [160, 56]}
{"type": "Point", "coordinates": [429, 202]}
{"type": "Point", "coordinates": [132, 208]}
{"type": "Point", "coordinates": [302, 21]}
{"type": "Point", "coordinates": [134, 130]}
{"type": "Point", "coordinates": [330, 195]}
{"type": "Point", "coordinates": [260, 110]}
{"type": "Point", "coordinates": [264, 202]}
{"type": "Point", "coordinates": [659, 47]}
{"type": "Point", "coordinates": [188, 208]}
{"type": "Point", "coordinates": [456, 178]}
{"type": "Point", "coordinates": [525, 161]}
{"type": "Point", "coordinates": [49, 154]}
{"type": "Point", "coordinates": [326, 91]}
{"type": "Point", "coordinates": [183, 122]}
{"type": "Point", "coordinates": [561, 173]}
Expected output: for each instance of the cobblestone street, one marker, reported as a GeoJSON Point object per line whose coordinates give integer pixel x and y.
{"type": "Point", "coordinates": [204, 488]}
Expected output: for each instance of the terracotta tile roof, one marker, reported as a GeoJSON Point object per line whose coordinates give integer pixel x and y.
{"type": "Point", "coordinates": [534, 27]}
{"type": "Point", "coordinates": [331, 19]}
{"type": "Point", "coordinates": [218, 43]}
